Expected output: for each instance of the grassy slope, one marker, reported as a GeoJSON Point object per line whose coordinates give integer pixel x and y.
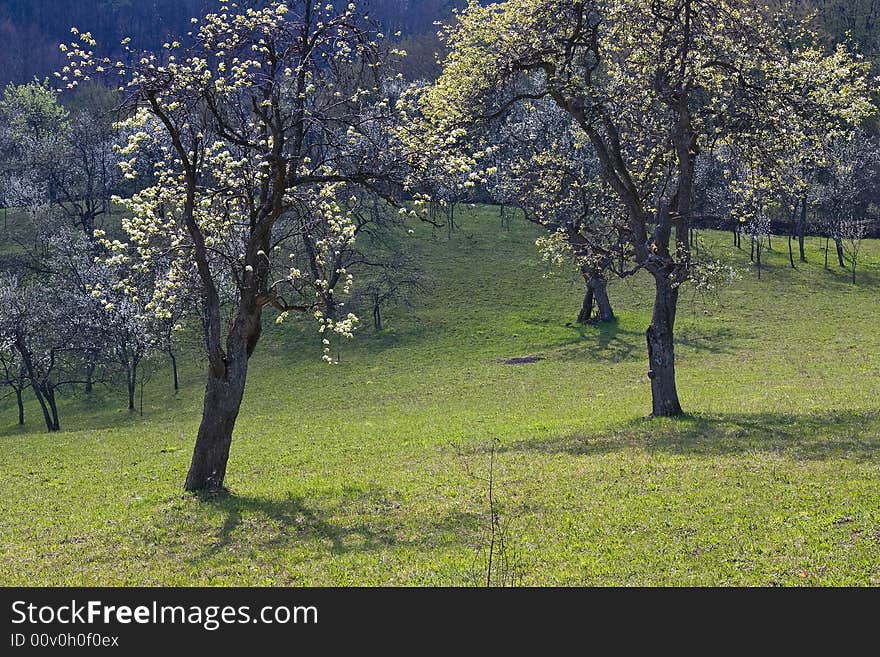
{"type": "Point", "coordinates": [372, 472]}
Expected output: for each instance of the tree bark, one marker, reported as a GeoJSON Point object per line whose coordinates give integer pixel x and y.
{"type": "Point", "coordinates": [603, 304]}
{"type": "Point", "coordinates": [20, 401]}
{"type": "Point", "coordinates": [131, 380]}
{"type": "Point", "coordinates": [661, 351]}
{"type": "Point", "coordinates": [586, 313]}
{"type": "Point", "coordinates": [223, 395]}
{"type": "Point", "coordinates": [49, 394]}
{"type": "Point", "coordinates": [174, 368]}
{"type": "Point", "coordinates": [596, 294]}
{"type": "Point", "coordinates": [839, 244]}
{"type": "Point", "coordinates": [377, 317]}
{"type": "Point", "coordinates": [41, 392]}
{"type": "Point", "coordinates": [47, 415]}
{"type": "Point", "coordinates": [791, 253]}
{"type": "Point", "coordinates": [802, 229]}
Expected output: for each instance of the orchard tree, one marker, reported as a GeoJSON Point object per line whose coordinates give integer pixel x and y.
{"type": "Point", "coordinates": [553, 175]}
{"type": "Point", "coordinates": [122, 331]}
{"type": "Point", "coordinates": [273, 120]}
{"type": "Point", "coordinates": [842, 194]}
{"type": "Point", "coordinates": [386, 273]}
{"type": "Point", "coordinates": [67, 152]}
{"type": "Point", "coordinates": [650, 84]}
{"type": "Point", "coordinates": [85, 172]}
{"type": "Point", "coordinates": [48, 327]}
{"type": "Point", "coordinates": [14, 376]}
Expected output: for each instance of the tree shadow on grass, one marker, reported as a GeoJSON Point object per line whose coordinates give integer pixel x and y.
{"type": "Point", "coordinates": [608, 341]}
{"type": "Point", "coordinates": [291, 519]}
{"type": "Point", "coordinates": [813, 436]}
{"type": "Point", "coordinates": [362, 521]}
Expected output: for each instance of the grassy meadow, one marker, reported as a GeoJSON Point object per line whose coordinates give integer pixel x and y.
{"type": "Point", "coordinates": [375, 471]}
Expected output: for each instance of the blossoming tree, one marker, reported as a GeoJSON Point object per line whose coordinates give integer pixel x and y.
{"type": "Point", "coordinates": [270, 124]}
{"type": "Point", "coordinates": [650, 84]}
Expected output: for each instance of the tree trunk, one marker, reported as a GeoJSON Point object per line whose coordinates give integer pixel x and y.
{"type": "Point", "coordinates": [174, 369]}
{"type": "Point", "coordinates": [90, 375]}
{"type": "Point", "coordinates": [41, 392]}
{"type": "Point", "coordinates": [752, 255]}
{"type": "Point", "coordinates": [661, 351]}
{"type": "Point", "coordinates": [791, 253]}
{"type": "Point", "coordinates": [826, 252]}
{"type": "Point", "coordinates": [20, 401]}
{"type": "Point", "coordinates": [596, 292]}
{"type": "Point", "coordinates": [223, 396]}
{"type": "Point", "coordinates": [44, 406]}
{"type": "Point", "coordinates": [450, 220]}
{"type": "Point", "coordinates": [49, 393]}
{"type": "Point", "coordinates": [131, 379]}
{"type": "Point", "coordinates": [377, 317]}
{"type": "Point", "coordinates": [600, 290]}
{"type": "Point", "coordinates": [839, 244]}
{"type": "Point", "coordinates": [802, 229]}
{"type": "Point", "coordinates": [586, 313]}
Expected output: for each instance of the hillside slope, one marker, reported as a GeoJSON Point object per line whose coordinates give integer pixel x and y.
{"type": "Point", "coordinates": [375, 471]}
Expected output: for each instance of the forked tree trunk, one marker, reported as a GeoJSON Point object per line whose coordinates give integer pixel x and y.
{"type": "Point", "coordinates": [44, 407]}
{"type": "Point", "coordinates": [586, 313]}
{"type": "Point", "coordinates": [600, 291]}
{"type": "Point", "coordinates": [377, 316]}
{"type": "Point", "coordinates": [41, 392]}
{"type": "Point", "coordinates": [661, 351]}
{"type": "Point", "coordinates": [223, 395]}
{"type": "Point", "coordinates": [49, 393]}
{"type": "Point", "coordinates": [596, 294]}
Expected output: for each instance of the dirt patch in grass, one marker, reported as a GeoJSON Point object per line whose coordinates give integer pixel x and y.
{"type": "Point", "coordinates": [522, 360]}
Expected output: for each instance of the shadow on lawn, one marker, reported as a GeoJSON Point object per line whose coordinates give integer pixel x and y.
{"type": "Point", "coordinates": [364, 521]}
{"type": "Point", "coordinates": [816, 436]}
{"type": "Point", "coordinates": [608, 341]}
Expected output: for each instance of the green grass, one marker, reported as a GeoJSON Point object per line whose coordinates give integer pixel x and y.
{"type": "Point", "coordinates": [372, 472]}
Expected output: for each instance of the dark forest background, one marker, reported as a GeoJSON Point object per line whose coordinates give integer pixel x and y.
{"type": "Point", "coordinates": [31, 30]}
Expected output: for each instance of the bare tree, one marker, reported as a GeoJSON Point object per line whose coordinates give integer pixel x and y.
{"type": "Point", "coordinates": [852, 233]}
